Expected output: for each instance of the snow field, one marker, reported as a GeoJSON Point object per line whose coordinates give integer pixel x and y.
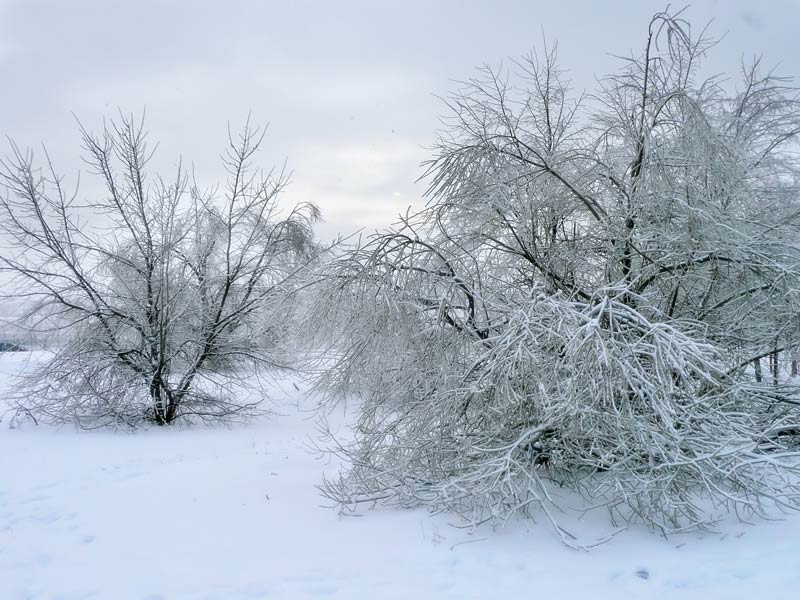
{"type": "Point", "coordinates": [234, 514]}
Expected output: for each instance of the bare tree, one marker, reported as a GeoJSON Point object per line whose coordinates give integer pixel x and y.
{"type": "Point", "coordinates": [580, 300]}
{"type": "Point", "coordinates": [156, 291]}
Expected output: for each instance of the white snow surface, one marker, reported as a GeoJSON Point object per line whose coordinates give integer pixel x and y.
{"type": "Point", "coordinates": [215, 513]}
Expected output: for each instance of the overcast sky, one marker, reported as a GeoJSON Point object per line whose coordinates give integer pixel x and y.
{"type": "Point", "coordinates": [349, 88]}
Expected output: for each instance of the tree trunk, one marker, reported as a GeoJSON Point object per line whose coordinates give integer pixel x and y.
{"type": "Point", "coordinates": [774, 368]}
{"type": "Point", "coordinates": [757, 367]}
{"type": "Point", "coordinates": [172, 410]}
{"type": "Point", "coordinates": [164, 409]}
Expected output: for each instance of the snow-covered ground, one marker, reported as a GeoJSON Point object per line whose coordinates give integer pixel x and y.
{"type": "Point", "coordinates": [234, 513]}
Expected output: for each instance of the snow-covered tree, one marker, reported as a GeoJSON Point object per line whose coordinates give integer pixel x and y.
{"type": "Point", "coordinates": [580, 300]}
{"type": "Point", "coordinates": [158, 290]}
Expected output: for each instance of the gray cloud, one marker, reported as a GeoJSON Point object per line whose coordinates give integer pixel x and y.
{"type": "Point", "coordinates": [348, 87]}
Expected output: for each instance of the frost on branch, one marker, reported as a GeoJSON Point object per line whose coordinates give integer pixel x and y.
{"type": "Point", "coordinates": [583, 302]}
{"type": "Point", "coordinates": [161, 300]}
